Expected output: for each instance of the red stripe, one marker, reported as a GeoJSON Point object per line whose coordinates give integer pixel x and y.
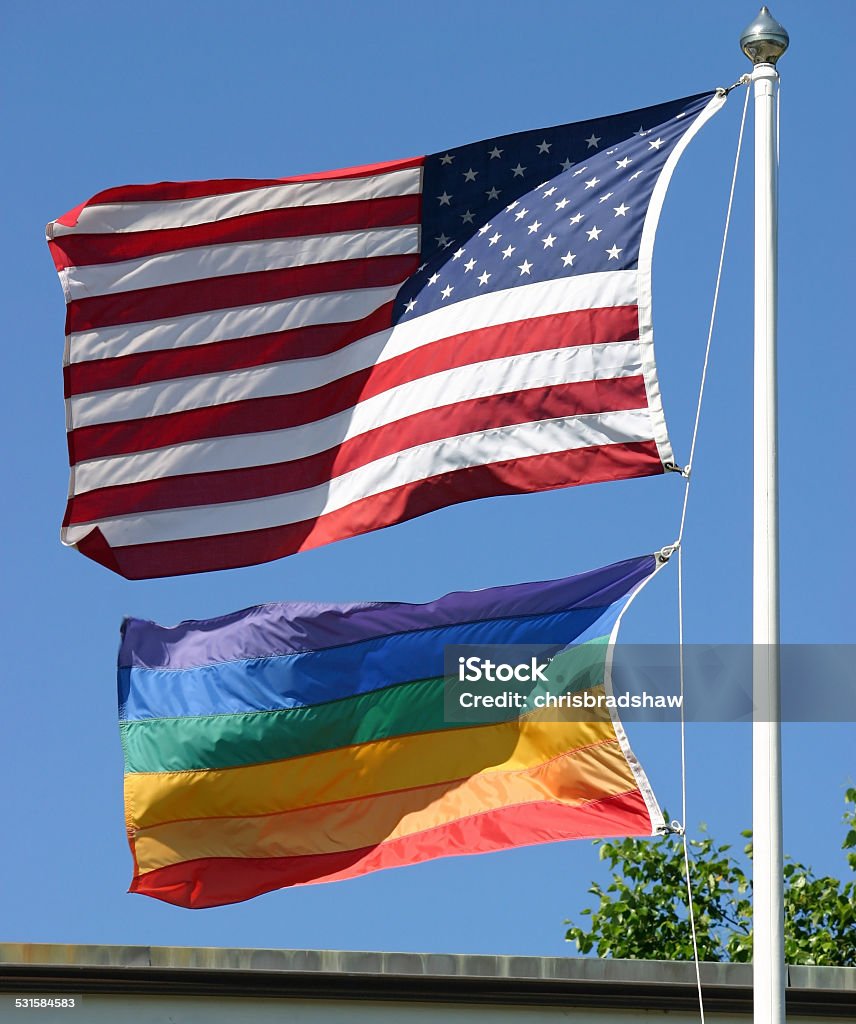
{"type": "Point", "coordinates": [231, 354]}
{"type": "Point", "coordinates": [186, 297]}
{"type": "Point", "coordinates": [170, 190]}
{"type": "Point", "coordinates": [215, 881]}
{"type": "Point", "coordinates": [514, 476]}
{"type": "Point", "coordinates": [580, 327]}
{"type": "Point", "coordinates": [211, 488]}
{"type": "Point", "coordinates": [82, 250]}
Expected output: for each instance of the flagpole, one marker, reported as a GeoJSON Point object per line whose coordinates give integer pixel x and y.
{"type": "Point", "coordinates": [763, 42]}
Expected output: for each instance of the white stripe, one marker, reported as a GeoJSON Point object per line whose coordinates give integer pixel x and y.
{"type": "Point", "coordinates": [223, 324]}
{"type": "Point", "coordinates": [237, 258]}
{"type": "Point", "coordinates": [498, 376]}
{"type": "Point", "coordinates": [160, 214]}
{"type": "Point", "coordinates": [268, 381]}
{"type": "Point", "coordinates": [589, 291]}
{"type": "Point", "coordinates": [463, 451]}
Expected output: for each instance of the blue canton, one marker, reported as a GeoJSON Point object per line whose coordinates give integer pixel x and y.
{"type": "Point", "coordinates": [540, 205]}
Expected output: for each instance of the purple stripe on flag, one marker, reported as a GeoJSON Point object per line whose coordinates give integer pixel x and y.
{"type": "Point", "coordinates": [294, 627]}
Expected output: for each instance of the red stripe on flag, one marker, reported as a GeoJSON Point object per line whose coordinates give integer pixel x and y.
{"type": "Point", "coordinates": [190, 489]}
{"type": "Point", "coordinates": [186, 297]}
{"type": "Point", "coordinates": [83, 250]}
{"type": "Point", "coordinates": [170, 190]}
{"type": "Point", "coordinates": [216, 881]}
{"type": "Point", "coordinates": [231, 354]}
{"type": "Point", "coordinates": [514, 476]}
{"type": "Point", "coordinates": [558, 330]}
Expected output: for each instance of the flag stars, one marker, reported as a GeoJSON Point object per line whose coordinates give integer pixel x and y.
{"type": "Point", "coordinates": [592, 141]}
{"type": "Point", "coordinates": [545, 146]}
{"type": "Point", "coordinates": [620, 211]}
{"type": "Point", "coordinates": [484, 277]}
{"type": "Point", "coordinates": [566, 164]}
{"type": "Point", "coordinates": [642, 133]}
{"type": "Point", "coordinates": [470, 175]}
{"type": "Point", "coordinates": [525, 267]}
{"type": "Point", "coordinates": [603, 199]}
{"type": "Point", "coordinates": [621, 164]}
{"type": "Point", "coordinates": [493, 192]}
{"type": "Point", "coordinates": [495, 154]}
{"type": "Point", "coordinates": [548, 241]}
{"type": "Point", "coordinates": [518, 170]}
{"type": "Point", "coordinates": [613, 252]}
{"type": "Point", "coordinates": [443, 240]}
{"type": "Point", "coordinates": [533, 227]}
{"type": "Point", "coordinates": [468, 266]}
{"type": "Point", "coordinates": [447, 291]}
{"type": "Point", "coordinates": [507, 252]}
{"type": "Point", "coordinates": [446, 159]}
{"type": "Point", "coordinates": [657, 143]}
{"type": "Point", "coordinates": [580, 171]}
{"type": "Point", "coordinates": [594, 233]}
{"type": "Point", "coordinates": [568, 258]}
{"type": "Point", "coordinates": [633, 177]}
{"type": "Point", "coordinates": [592, 182]}
{"type": "Point", "coordinates": [445, 199]}
{"type": "Point", "coordinates": [433, 279]}
{"type": "Point", "coordinates": [562, 203]}
{"type": "Point", "coordinates": [494, 238]}
{"type": "Point", "coordinates": [511, 206]}
{"type": "Point", "coordinates": [521, 214]}
{"type": "Point", "coordinates": [411, 305]}
{"type": "Point", "coordinates": [483, 230]}
{"type": "Point", "coordinates": [458, 254]}
{"type": "Point", "coordinates": [549, 192]}
{"type": "Point", "coordinates": [467, 217]}
{"type": "Point", "coordinates": [577, 217]}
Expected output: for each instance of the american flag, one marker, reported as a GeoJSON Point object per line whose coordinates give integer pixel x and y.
{"type": "Point", "coordinates": [253, 368]}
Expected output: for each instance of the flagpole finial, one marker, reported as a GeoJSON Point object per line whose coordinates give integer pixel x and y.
{"type": "Point", "coordinates": [765, 40]}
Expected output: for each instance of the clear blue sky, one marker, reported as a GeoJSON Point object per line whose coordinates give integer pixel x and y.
{"type": "Point", "coordinates": [102, 94]}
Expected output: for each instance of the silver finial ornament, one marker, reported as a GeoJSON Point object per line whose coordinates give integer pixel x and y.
{"type": "Point", "coordinates": [764, 41]}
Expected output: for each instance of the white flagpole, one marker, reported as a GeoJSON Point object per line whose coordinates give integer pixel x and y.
{"type": "Point", "coordinates": [763, 42]}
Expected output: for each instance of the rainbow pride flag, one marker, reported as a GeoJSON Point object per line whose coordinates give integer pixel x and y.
{"type": "Point", "coordinates": [294, 743]}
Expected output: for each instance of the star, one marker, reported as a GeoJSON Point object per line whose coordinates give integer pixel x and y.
{"type": "Point", "coordinates": [458, 254]}
{"type": "Point", "coordinates": [494, 238]}
{"type": "Point", "coordinates": [468, 217]}
{"type": "Point", "coordinates": [511, 206]}
{"type": "Point", "coordinates": [495, 153]}
{"type": "Point", "coordinates": [656, 143]}
{"type": "Point", "coordinates": [580, 171]}
{"type": "Point", "coordinates": [445, 199]}
{"type": "Point", "coordinates": [421, 267]}
{"type": "Point", "coordinates": [562, 203]}
{"type": "Point", "coordinates": [521, 214]}
{"type": "Point", "coordinates": [613, 252]}
{"type": "Point", "coordinates": [447, 291]}
{"type": "Point", "coordinates": [603, 199]}
{"type": "Point", "coordinates": [533, 227]}
{"type": "Point", "coordinates": [544, 146]}
{"type": "Point", "coordinates": [493, 193]}
{"type": "Point", "coordinates": [548, 241]}
{"type": "Point", "coordinates": [633, 176]}
{"type": "Point", "coordinates": [433, 279]}
{"type": "Point", "coordinates": [470, 175]}
{"type": "Point", "coordinates": [524, 267]}
{"type": "Point", "coordinates": [642, 132]}
{"type": "Point", "coordinates": [484, 278]}
{"type": "Point", "coordinates": [568, 258]}
{"type": "Point", "coordinates": [518, 170]}
{"type": "Point", "coordinates": [446, 158]}
{"type": "Point", "coordinates": [468, 266]}
{"type": "Point", "coordinates": [443, 240]}
{"type": "Point", "coordinates": [410, 306]}
{"type": "Point", "coordinates": [609, 152]}
{"type": "Point", "coordinates": [592, 182]}
{"type": "Point", "coordinates": [577, 217]}
{"type": "Point", "coordinates": [594, 234]}
{"type": "Point", "coordinates": [549, 192]}
{"type": "Point", "coordinates": [483, 230]}
{"type": "Point", "coordinates": [683, 113]}
{"type": "Point", "coordinates": [566, 164]}
{"type": "Point", "coordinates": [507, 252]}
{"type": "Point", "coordinates": [620, 211]}
{"type": "Point", "coordinates": [592, 141]}
{"type": "Point", "coordinates": [623, 163]}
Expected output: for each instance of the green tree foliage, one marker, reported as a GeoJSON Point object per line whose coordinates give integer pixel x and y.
{"type": "Point", "coordinates": [642, 912]}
